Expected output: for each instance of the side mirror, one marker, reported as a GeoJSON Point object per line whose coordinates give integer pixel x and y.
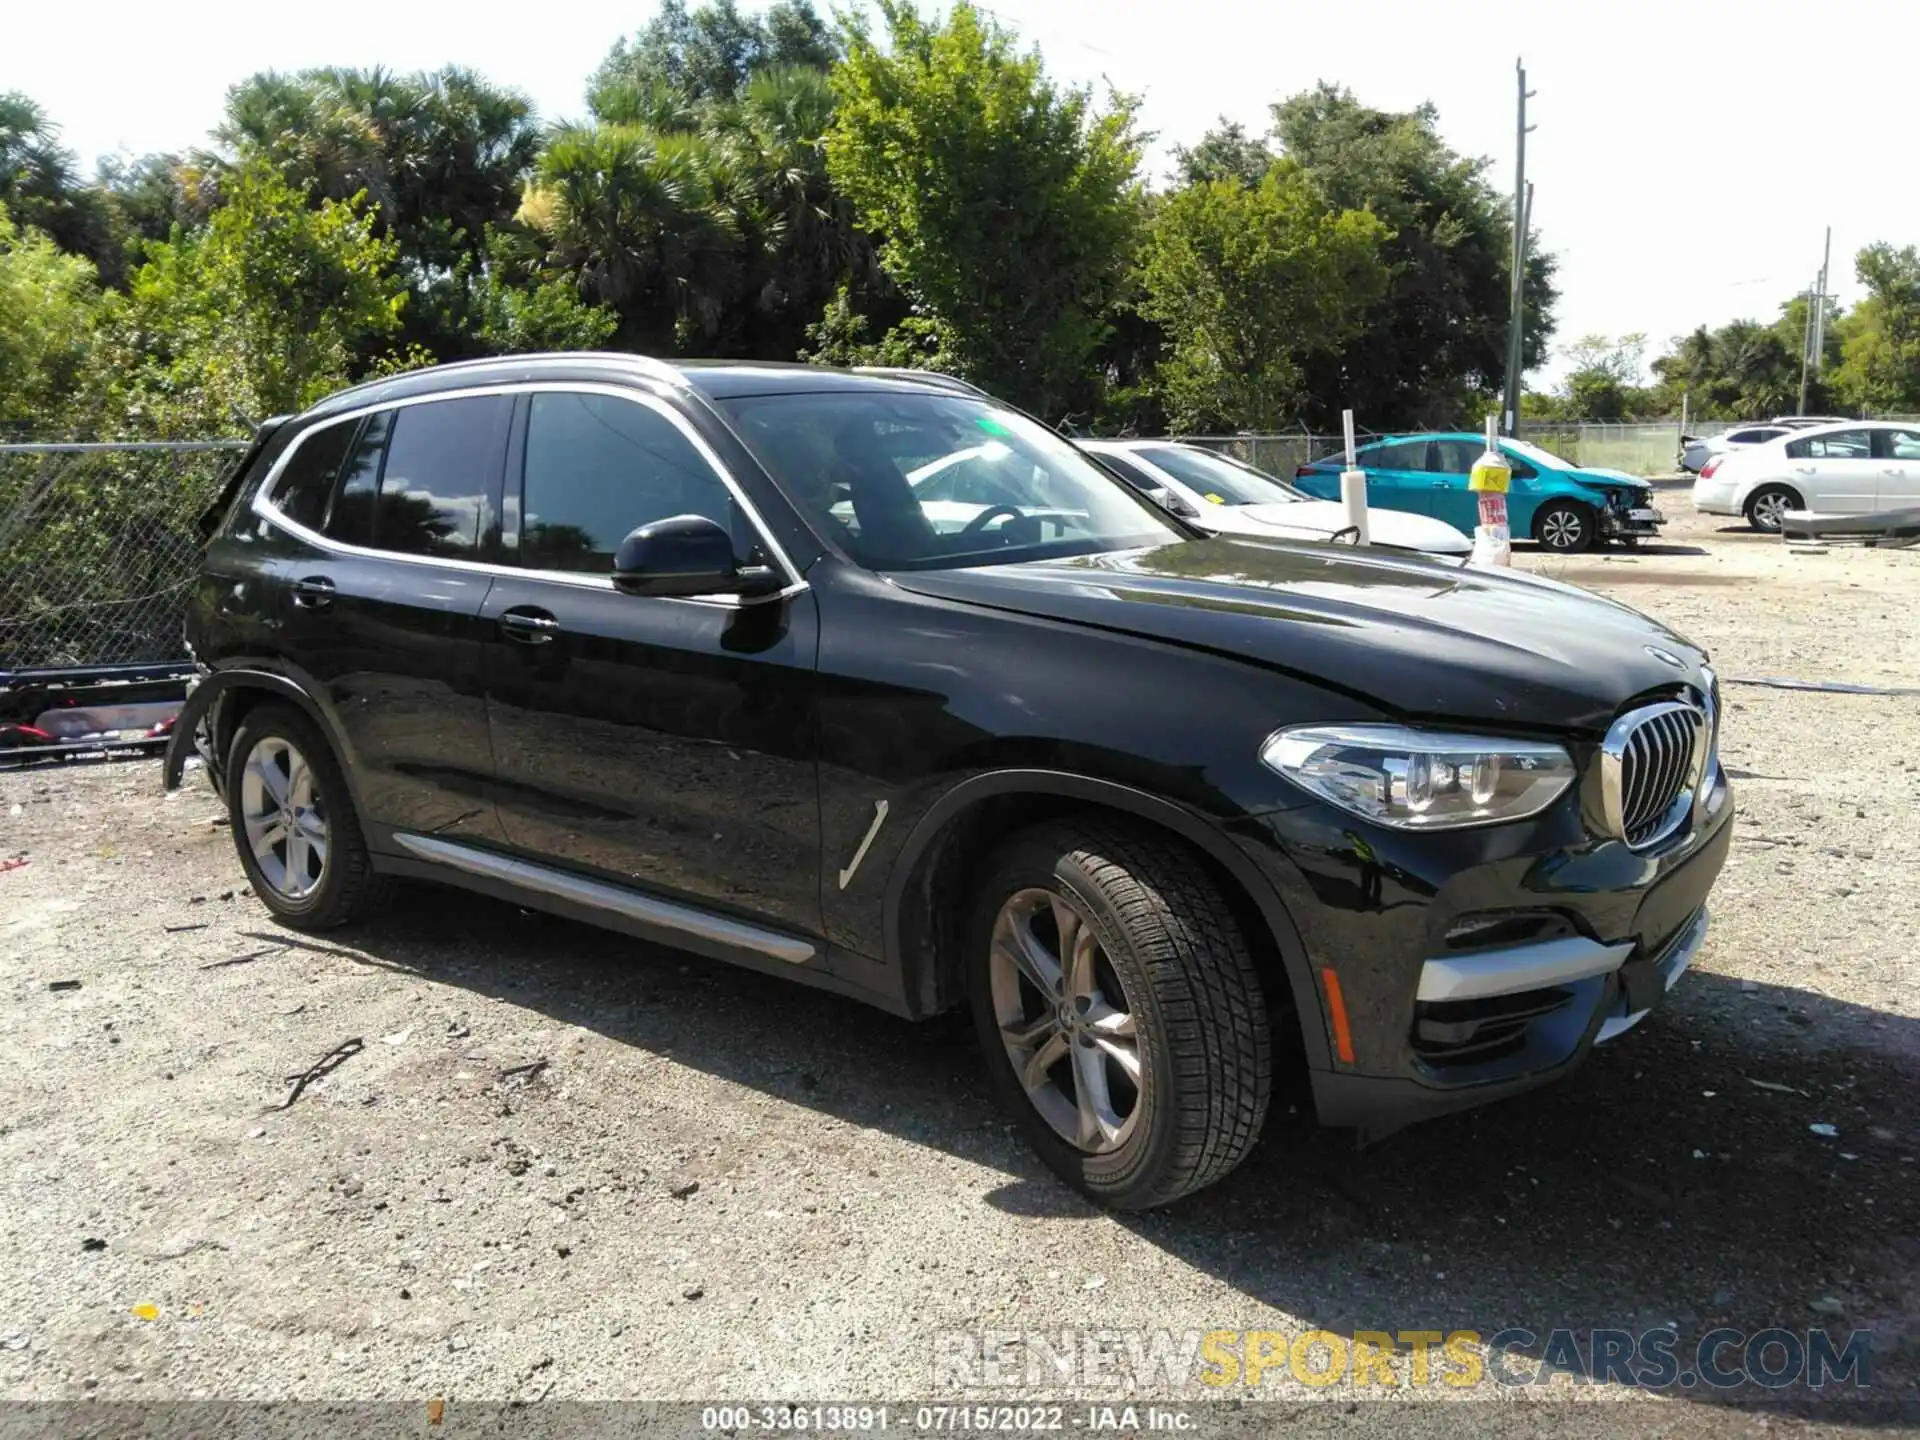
{"type": "Point", "coordinates": [686, 555]}
{"type": "Point", "coordinates": [1174, 503]}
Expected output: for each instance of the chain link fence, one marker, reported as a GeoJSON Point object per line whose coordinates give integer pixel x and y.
{"type": "Point", "coordinates": [1278, 455]}
{"type": "Point", "coordinates": [98, 548]}
{"type": "Point", "coordinates": [1638, 449]}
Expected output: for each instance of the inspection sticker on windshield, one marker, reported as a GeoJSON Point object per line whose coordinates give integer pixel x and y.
{"type": "Point", "coordinates": [1215, 498]}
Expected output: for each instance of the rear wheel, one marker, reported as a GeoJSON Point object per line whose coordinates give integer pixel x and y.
{"type": "Point", "coordinates": [1120, 1011]}
{"type": "Point", "coordinates": [1565, 527]}
{"type": "Point", "coordinates": [294, 823]}
{"type": "Point", "coordinates": [1767, 507]}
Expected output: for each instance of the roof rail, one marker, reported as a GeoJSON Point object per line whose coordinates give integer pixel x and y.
{"type": "Point", "coordinates": [658, 369]}
{"type": "Point", "coordinates": [925, 377]}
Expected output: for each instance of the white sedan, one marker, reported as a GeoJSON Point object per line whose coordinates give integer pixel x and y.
{"type": "Point", "coordinates": [1855, 467]}
{"type": "Point", "coordinates": [1230, 498]}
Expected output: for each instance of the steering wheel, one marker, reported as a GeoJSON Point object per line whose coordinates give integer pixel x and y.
{"type": "Point", "coordinates": [988, 515]}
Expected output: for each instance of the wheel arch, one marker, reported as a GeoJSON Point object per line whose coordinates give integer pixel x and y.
{"type": "Point", "coordinates": [962, 829]}
{"type": "Point", "coordinates": [226, 696]}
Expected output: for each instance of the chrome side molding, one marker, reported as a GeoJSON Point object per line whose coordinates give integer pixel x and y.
{"type": "Point", "coordinates": [665, 915]}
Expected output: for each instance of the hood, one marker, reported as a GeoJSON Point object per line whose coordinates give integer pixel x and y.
{"type": "Point", "coordinates": [1614, 477]}
{"type": "Point", "coordinates": [1398, 528]}
{"type": "Point", "coordinates": [1417, 637]}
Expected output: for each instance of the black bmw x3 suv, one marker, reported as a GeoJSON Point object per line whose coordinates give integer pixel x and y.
{"type": "Point", "coordinates": [869, 681]}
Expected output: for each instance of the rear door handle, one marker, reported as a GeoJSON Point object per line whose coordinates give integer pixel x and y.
{"type": "Point", "coordinates": [529, 626]}
{"type": "Point", "coordinates": [313, 592]}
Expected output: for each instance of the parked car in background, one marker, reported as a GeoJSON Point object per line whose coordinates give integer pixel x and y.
{"type": "Point", "coordinates": [1854, 467]}
{"type": "Point", "coordinates": [1224, 496]}
{"type": "Point", "coordinates": [1561, 506]}
{"type": "Point", "coordinates": [1166, 812]}
{"type": "Point", "coordinates": [1696, 450]}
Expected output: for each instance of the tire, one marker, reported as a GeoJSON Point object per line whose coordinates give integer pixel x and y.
{"type": "Point", "coordinates": [1189, 1000]}
{"type": "Point", "coordinates": [1565, 527]}
{"type": "Point", "coordinates": [304, 889]}
{"type": "Point", "coordinates": [1764, 506]}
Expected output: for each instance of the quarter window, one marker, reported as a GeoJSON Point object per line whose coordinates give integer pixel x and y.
{"type": "Point", "coordinates": [597, 467]}
{"type": "Point", "coordinates": [306, 484]}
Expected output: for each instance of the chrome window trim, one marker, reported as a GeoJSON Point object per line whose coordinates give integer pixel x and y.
{"type": "Point", "coordinates": [264, 508]}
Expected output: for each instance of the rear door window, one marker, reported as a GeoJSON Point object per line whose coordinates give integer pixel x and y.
{"type": "Point", "coordinates": [1899, 444]}
{"type": "Point", "coordinates": [443, 465]}
{"type": "Point", "coordinates": [1841, 445]}
{"type": "Point", "coordinates": [1453, 457]}
{"type": "Point", "coordinates": [1404, 455]}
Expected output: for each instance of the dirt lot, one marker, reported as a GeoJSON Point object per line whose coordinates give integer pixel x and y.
{"type": "Point", "coordinates": [434, 1217]}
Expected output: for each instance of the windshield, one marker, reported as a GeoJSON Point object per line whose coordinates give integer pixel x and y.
{"type": "Point", "coordinates": [1220, 479]}
{"type": "Point", "coordinates": [1535, 454]}
{"type": "Point", "coordinates": [919, 481]}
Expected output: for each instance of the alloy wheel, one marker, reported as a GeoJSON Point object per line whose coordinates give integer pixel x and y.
{"type": "Point", "coordinates": [1770, 510]}
{"type": "Point", "coordinates": [285, 823]}
{"type": "Point", "coordinates": [1562, 530]}
{"type": "Point", "coordinates": [1064, 1021]}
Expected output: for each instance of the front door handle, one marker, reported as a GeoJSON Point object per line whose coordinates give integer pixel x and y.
{"type": "Point", "coordinates": [529, 626]}
{"type": "Point", "coordinates": [313, 592]}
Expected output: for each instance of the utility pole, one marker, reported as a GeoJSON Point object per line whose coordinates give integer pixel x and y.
{"type": "Point", "coordinates": [1820, 306]}
{"type": "Point", "coordinates": [1806, 349]}
{"type": "Point", "coordinates": [1522, 213]}
{"type": "Point", "coordinates": [1815, 342]}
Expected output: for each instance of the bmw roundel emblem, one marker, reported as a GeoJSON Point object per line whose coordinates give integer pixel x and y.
{"type": "Point", "coordinates": [1665, 658]}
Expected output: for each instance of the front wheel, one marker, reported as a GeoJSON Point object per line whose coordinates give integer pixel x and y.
{"type": "Point", "coordinates": [1564, 527]}
{"type": "Point", "coordinates": [1767, 507]}
{"type": "Point", "coordinates": [1120, 1011]}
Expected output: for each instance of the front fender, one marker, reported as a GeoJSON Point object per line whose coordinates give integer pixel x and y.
{"type": "Point", "coordinates": [922, 985]}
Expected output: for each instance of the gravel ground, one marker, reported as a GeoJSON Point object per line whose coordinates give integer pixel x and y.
{"type": "Point", "coordinates": [567, 1164]}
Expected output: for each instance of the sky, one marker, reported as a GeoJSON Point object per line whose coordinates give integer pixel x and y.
{"type": "Point", "coordinates": [1686, 158]}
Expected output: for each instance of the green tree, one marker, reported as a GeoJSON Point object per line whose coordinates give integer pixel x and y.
{"type": "Point", "coordinates": [1006, 206]}
{"type": "Point", "coordinates": [439, 156]}
{"type": "Point", "coordinates": [1880, 355]}
{"type": "Point", "coordinates": [1249, 284]}
{"type": "Point", "coordinates": [1604, 380]}
{"type": "Point", "coordinates": [521, 308]}
{"type": "Point", "coordinates": [262, 312]}
{"type": "Point", "coordinates": [706, 55]}
{"type": "Point", "coordinates": [1746, 369]}
{"type": "Point", "coordinates": [1226, 152]}
{"type": "Point", "coordinates": [49, 307]}
{"type": "Point", "coordinates": [41, 188]}
{"type": "Point", "coordinates": [1437, 337]}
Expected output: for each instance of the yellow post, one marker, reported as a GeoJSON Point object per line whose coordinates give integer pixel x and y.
{"type": "Point", "coordinates": [1492, 544]}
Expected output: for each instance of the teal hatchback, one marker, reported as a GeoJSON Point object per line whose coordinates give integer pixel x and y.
{"type": "Point", "coordinates": [1562, 506]}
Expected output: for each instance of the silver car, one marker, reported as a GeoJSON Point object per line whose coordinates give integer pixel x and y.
{"type": "Point", "coordinates": [1696, 451]}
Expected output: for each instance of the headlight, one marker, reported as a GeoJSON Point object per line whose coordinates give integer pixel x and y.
{"type": "Point", "coordinates": [1421, 779]}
